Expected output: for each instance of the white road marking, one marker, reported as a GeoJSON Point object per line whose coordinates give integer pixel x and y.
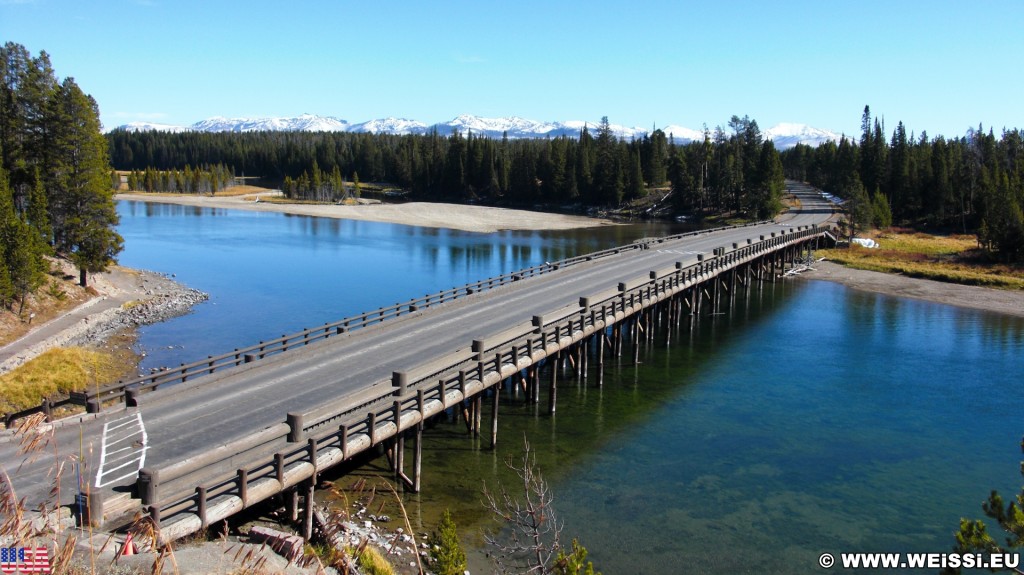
{"type": "Point", "coordinates": [114, 460]}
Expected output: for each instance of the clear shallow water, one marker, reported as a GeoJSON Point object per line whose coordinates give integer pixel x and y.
{"type": "Point", "coordinates": [813, 419]}
{"type": "Point", "coordinates": [810, 419]}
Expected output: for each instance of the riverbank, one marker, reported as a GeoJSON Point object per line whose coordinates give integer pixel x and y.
{"type": "Point", "coordinates": [468, 218]}
{"type": "Point", "coordinates": [974, 297]}
{"type": "Point", "coordinates": [124, 299]}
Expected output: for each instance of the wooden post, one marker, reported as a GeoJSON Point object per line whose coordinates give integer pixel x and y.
{"type": "Point", "coordinates": [535, 384]}
{"type": "Point", "coordinates": [417, 467]}
{"type": "Point", "coordinates": [732, 288]}
{"type": "Point", "coordinates": [307, 532]}
{"type": "Point", "coordinates": [579, 360]}
{"type": "Point", "coordinates": [372, 416]}
{"type": "Point", "coordinates": [243, 486]}
{"type": "Point", "coordinates": [715, 294]}
{"type": "Point", "coordinates": [148, 485]}
{"type": "Point", "coordinates": [494, 418]}
{"type": "Point", "coordinates": [293, 505]}
{"type": "Point", "coordinates": [312, 457]}
{"type": "Point", "coordinates": [636, 340]}
{"type": "Point", "coordinates": [552, 390]}
{"type": "Point", "coordinates": [399, 459]}
{"type": "Point", "coordinates": [201, 504]}
{"type": "Point", "coordinates": [585, 355]}
{"type": "Point", "coordinates": [478, 405]}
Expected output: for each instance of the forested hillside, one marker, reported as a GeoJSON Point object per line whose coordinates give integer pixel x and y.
{"type": "Point", "coordinates": [55, 184]}
{"type": "Point", "coordinates": [973, 184]}
{"type": "Point", "coordinates": [729, 172]}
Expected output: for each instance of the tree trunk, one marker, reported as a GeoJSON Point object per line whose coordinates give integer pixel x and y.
{"type": "Point", "coordinates": [82, 278]}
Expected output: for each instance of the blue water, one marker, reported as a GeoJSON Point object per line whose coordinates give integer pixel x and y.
{"type": "Point", "coordinates": [809, 418]}
{"type": "Point", "coordinates": [269, 274]}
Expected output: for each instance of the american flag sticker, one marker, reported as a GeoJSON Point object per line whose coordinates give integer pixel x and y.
{"type": "Point", "coordinates": [24, 560]}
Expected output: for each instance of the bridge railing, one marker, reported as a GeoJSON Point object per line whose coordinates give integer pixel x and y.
{"type": "Point", "coordinates": [287, 453]}
{"type": "Point", "coordinates": [128, 390]}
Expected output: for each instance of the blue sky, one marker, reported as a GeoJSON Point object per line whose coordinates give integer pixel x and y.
{"type": "Point", "coordinates": [941, 66]}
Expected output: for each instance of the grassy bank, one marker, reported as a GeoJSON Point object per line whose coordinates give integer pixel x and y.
{"type": "Point", "coordinates": [59, 371]}
{"type": "Point", "coordinates": [952, 258]}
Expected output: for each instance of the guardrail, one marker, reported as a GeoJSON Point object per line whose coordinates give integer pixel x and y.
{"type": "Point", "coordinates": [129, 390]}
{"type": "Point", "coordinates": [287, 453]}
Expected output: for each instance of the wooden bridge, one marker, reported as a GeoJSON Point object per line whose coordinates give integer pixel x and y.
{"type": "Point", "coordinates": [217, 436]}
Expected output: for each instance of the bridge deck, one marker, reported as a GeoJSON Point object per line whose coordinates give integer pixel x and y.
{"type": "Point", "coordinates": [183, 422]}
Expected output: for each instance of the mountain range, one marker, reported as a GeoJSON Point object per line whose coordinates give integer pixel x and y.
{"type": "Point", "coordinates": [785, 135]}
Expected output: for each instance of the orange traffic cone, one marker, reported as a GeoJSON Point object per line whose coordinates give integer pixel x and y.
{"type": "Point", "coordinates": [129, 546]}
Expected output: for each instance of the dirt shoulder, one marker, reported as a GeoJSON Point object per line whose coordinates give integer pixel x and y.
{"type": "Point", "coordinates": [432, 215]}
{"type": "Point", "coordinates": [999, 301]}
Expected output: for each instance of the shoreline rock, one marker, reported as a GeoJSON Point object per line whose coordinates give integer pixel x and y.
{"type": "Point", "coordinates": [128, 299]}
{"type": "Point", "coordinates": [169, 304]}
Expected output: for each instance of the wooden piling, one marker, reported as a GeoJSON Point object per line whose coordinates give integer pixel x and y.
{"type": "Point", "coordinates": [307, 515]}
{"type": "Point", "coordinates": [494, 419]}
{"type": "Point", "coordinates": [553, 388]}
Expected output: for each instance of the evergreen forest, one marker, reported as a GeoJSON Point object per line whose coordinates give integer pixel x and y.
{"type": "Point", "coordinates": [55, 177]}
{"type": "Point", "coordinates": [736, 172]}
{"type": "Point", "coordinates": [973, 184]}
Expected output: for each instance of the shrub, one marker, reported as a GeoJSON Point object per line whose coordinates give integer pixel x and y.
{"type": "Point", "coordinates": [445, 550]}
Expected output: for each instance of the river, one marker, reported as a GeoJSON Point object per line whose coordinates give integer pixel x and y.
{"type": "Point", "coordinates": [809, 418]}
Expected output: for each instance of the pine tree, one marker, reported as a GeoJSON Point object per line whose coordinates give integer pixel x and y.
{"type": "Point", "coordinates": [608, 184]}
{"type": "Point", "coordinates": [635, 188]}
{"type": "Point", "coordinates": [771, 182]}
{"type": "Point", "coordinates": [574, 563]}
{"type": "Point", "coordinates": [881, 214]}
{"type": "Point", "coordinates": [445, 549]}
{"type": "Point", "coordinates": [973, 536]}
{"type": "Point", "coordinates": [24, 266]}
{"type": "Point", "coordinates": [81, 202]}
{"type": "Point", "coordinates": [26, 83]}
{"type": "Point", "coordinates": [7, 290]}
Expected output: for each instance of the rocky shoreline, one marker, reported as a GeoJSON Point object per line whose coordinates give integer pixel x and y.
{"type": "Point", "coordinates": [165, 299]}
{"type": "Point", "coordinates": [126, 300]}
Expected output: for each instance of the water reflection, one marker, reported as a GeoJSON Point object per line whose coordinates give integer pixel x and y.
{"type": "Point", "coordinates": [270, 273]}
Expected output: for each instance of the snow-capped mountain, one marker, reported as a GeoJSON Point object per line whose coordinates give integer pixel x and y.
{"type": "Point", "coordinates": [152, 127]}
{"type": "Point", "coordinates": [784, 135]}
{"type": "Point", "coordinates": [303, 123]}
{"type": "Point", "coordinates": [389, 125]}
